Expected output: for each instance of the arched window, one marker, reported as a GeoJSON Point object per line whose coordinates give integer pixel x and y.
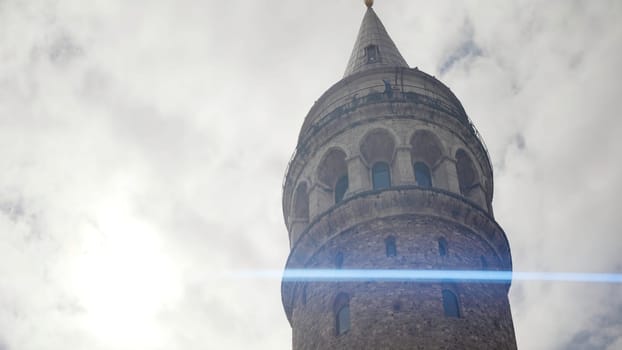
{"type": "Point", "coordinates": [342, 313]}
{"type": "Point", "coordinates": [389, 242]}
{"type": "Point", "coordinates": [332, 172]}
{"type": "Point", "coordinates": [301, 202]}
{"type": "Point", "coordinates": [339, 260]}
{"type": "Point", "coordinates": [442, 247]}
{"type": "Point", "coordinates": [450, 304]}
{"type": "Point", "coordinates": [467, 175]}
{"type": "Point", "coordinates": [341, 187]}
{"type": "Point", "coordinates": [378, 149]}
{"type": "Point", "coordinates": [422, 175]}
{"type": "Point", "coordinates": [426, 153]}
{"type": "Point", "coordinates": [484, 262]}
{"type": "Point", "coordinates": [381, 176]}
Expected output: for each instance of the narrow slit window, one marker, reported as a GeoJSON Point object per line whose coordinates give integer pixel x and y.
{"type": "Point", "coordinates": [450, 304]}
{"type": "Point", "coordinates": [381, 176]}
{"type": "Point", "coordinates": [422, 175]}
{"type": "Point", "coordinates": [371, 52]}
{"type": "Point", "coordinates": [484, 262]}
{"type": "Point", "coordinates": [342, 314]}
{"type": "Point", "coordinates": [339, 260]}
{"type": "Point", "coordinates": [341, 188]}
{"type": "Point", "coordinates": [442, 247]}
{"type": "Point", "coordinates": [391, 249]}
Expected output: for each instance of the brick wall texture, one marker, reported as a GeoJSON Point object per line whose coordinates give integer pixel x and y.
{"type": "Point", "coordinates": [404, 315]}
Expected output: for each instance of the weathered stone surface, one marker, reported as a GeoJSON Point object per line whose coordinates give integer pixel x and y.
{"type": "Point", "coordinates": [404, 315]}
{"type": "Point", "coordinates": [385, 112]}
{"type": "Point", "coordinates": [401, 116]}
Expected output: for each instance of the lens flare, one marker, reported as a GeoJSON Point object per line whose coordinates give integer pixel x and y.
{"type": "Point", "coordinates": [383, 275]}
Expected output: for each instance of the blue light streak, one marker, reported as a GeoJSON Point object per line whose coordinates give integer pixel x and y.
{"type": "Point", "coordinates": [463, 276]}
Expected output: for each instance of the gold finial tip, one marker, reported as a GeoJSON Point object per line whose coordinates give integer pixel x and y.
{"type": "Point", "coordinates": [369, 3]}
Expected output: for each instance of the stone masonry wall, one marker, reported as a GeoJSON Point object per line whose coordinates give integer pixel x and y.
{"type": "Point", "coordinates": [404, 315]}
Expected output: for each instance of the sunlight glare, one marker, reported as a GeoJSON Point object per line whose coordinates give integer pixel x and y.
{"type": "Point", "coordinates": [125, 278]}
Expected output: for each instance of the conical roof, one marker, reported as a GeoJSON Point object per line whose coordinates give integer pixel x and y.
{"type": "Point", "coordinates": [373, 47]}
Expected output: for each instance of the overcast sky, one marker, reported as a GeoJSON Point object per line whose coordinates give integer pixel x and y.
{"type": "Point", "coordinates": [143, 146]}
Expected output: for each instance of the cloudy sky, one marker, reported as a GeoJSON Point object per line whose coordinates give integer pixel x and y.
{"type": "Point", "coordinates": [143, 145]}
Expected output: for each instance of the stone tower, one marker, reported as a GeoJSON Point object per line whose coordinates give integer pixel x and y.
{"type": "Point", "coordinates": [390, 174]}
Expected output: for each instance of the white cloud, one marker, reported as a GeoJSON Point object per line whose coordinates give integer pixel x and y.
{"type": "Point", "coordinates": [151, 139]}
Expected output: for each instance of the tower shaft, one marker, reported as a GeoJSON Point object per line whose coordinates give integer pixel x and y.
{"type": "Point", "coordinates": [389, 173]}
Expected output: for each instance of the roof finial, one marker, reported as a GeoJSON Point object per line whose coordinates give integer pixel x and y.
{"type": "Point", "coordinates": [369, 3]}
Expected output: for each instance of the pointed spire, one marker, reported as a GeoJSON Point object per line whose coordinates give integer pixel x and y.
{"type": "Point", "coordinates": [373, 47]}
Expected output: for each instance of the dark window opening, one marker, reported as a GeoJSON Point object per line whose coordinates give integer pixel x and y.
{"type": "Point", "coordinates": [442, 247]}
{"type": "Point", "coordinates": [467, 175]}
{"type": "Point", "coordinates": [339, 260]}
{"type": "Point", "coordinates": [371, 52]}
{"type": "Point", "coordinates": [390, 246]}
{"type": "Point", "coordinates": [450, 304]}
{"type": "Point", "coordinates": [422, 175]}
{"type": "Point", "coordinates": [342, 313]}
{"type": "Point", "coordinates": [381, 176]}
{"type": "Point", "coordinates": [341, 188]}
{"type": "Point", "coordinates": [343, 320]}
{"type": "Point", "coordinates": [484, 262]}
